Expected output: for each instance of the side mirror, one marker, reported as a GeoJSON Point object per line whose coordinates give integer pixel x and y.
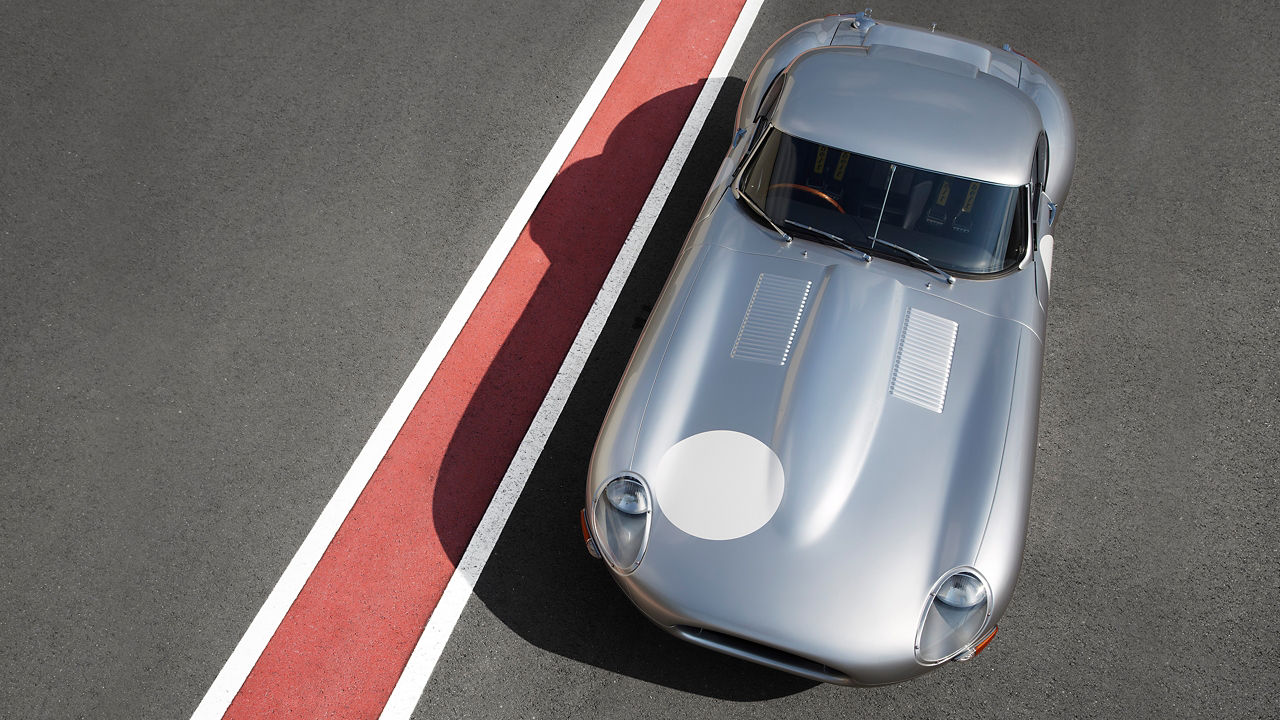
{"type": "Point", "coordinates": [1046, 211]}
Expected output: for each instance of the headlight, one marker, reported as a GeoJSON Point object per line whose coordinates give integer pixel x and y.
{"type": "Point", "coordinates": [628, 495]}
{"type": "Point", "coordinates": [957, 609]}
{"type": "Point", "coordinates": [962, 591]}
{"type": "Point", "coordinates": [621, 513]}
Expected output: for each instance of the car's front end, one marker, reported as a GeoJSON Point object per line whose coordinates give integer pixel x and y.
{"type": "Point", "coordinates": [805, 448]}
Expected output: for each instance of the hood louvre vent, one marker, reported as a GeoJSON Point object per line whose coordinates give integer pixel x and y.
{"type": "Point", "coordinates": [923, 362]}
{"type": "Point", "coordinates": [772, 319]}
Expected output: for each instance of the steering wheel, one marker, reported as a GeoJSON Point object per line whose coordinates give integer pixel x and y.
{"type": "Point", "coordinates": [813, 191]}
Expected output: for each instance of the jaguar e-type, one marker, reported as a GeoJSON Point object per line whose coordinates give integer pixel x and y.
{"type": "Point", "coordinates": [820, 455]}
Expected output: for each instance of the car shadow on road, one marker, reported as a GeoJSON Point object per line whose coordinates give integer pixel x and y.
{"type": "Point", "coordinates": [539, 581]}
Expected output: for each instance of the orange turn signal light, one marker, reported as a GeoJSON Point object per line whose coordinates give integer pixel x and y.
{"type": "Point", "coordinates": [592, 550]}
{"type": "Point", "coordinates": [990, 636]}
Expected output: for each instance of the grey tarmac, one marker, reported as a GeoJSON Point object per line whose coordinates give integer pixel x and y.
{"type": "Point", "coordinates": [227, 232]}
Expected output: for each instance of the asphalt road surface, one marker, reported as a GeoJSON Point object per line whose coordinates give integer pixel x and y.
{"type": "Point", "coordinates": [227, 232]}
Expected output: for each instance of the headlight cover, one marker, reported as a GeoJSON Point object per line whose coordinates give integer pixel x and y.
{"type": "Point", "coordinates": [956, 611]}
{"type": "Point", "coordinates": [621, 513]}
{"type": "Point", "coordinates": [962, 590]}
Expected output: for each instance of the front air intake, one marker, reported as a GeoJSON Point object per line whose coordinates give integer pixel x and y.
{"type": "Point", "coordinates": [761, 654]}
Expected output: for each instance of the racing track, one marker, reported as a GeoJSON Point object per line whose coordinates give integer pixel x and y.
{"type": "Point", "coordinates": [228, 232]}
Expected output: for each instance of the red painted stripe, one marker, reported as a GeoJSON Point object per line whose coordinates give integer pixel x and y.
{"type": "Point", "coordinates": [344, 642]}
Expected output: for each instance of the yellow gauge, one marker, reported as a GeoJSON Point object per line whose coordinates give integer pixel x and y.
{"type": "Point", "coordinates": [944, 194]}
{"type": "Point", "coordinates": [970, 196]}
{"type": "Point", "coordinates": [841, 164]}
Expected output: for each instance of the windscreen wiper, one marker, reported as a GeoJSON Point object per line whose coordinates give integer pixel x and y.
{"type": "Point", "coordinates": [875, 237]}
{"type": "Point", "coordinates": [738, 194]}
{"type": "Point", "coordinates": [879, 241]}
{"type": "Point", "coordinates": [833, 238]}
{"type": "Point", "coordinates": [752, 204]}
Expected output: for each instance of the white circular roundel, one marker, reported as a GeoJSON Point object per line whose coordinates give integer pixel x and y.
{"type": "Point", "coordinates": [719, 485]}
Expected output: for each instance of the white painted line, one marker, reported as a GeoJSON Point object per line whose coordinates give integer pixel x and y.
{"type": "Point", "coordinates": [232, 676]}
{"type": "Point", "coordinates": [413, 681]}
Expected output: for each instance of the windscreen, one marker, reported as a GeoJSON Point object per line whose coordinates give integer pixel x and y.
{"type": "Point", "coordinates": [958, 224]}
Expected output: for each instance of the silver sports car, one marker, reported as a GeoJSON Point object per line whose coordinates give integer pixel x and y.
{"type": "Point", "coordinates": [820, 456]}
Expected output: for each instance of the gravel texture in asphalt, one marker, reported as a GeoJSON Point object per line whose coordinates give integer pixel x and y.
{"type": "Point", "coordinates": [227, 232]}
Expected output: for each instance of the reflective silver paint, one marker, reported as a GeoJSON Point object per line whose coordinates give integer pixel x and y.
{"type": "Point", "coordinates": [882, 496]}
{"type": "Point", "coordinates": [938, 49]}
{"type": "Point", "coordinates": [929, 112]}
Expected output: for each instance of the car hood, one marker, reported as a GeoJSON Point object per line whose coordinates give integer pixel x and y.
{"type": "Point", "coordinates": [889, 444]}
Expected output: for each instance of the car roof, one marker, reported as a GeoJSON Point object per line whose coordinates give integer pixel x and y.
{"type": "Point", "coordinates": [913, 108]}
